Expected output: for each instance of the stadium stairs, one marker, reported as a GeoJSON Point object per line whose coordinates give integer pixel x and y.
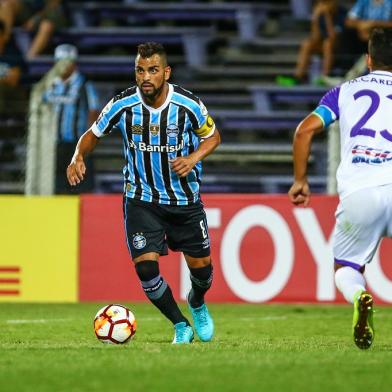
{"type": "Point", "coordinates": [229, 54]}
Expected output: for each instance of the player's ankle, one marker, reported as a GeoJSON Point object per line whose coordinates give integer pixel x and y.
{"type": "Point", "coordinates": [195, 301]}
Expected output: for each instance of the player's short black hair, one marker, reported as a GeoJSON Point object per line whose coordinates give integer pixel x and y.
{"type": "Point", "coordinates": [380, 48]}
{"type": "Point", "coordinates": [148, 49]}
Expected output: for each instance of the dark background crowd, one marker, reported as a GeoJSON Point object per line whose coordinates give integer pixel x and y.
{"type": "Point", "coordinates": [257, 65]}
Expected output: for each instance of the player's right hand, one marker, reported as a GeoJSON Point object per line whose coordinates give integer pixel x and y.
{"type": "Point", "coordinates": [299, 193]}
{"type": "Point", "coordinates": [76, 171]}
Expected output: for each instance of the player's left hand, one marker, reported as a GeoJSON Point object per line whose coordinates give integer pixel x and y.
{"type": "Point", "coordinates": [182, 165]}
{"type": "Point", "coordinates": [299, 193]}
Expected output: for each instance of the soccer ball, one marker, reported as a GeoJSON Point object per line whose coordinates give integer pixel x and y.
{"type": "Point", "coordinates": [114, 324]}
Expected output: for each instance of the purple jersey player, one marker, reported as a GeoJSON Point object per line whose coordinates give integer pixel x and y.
{"type": "Point", "coordinates": [363, 107]}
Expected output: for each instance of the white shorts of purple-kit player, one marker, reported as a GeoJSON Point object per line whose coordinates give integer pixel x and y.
{"type": "Point", "coordinates": [363, 218]}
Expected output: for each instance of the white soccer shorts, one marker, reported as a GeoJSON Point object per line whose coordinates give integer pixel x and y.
{"type": "Point", "coordinates": [362, 219]}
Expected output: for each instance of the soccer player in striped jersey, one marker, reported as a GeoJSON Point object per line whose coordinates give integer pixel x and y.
{"type": "Point", "coordinates": [167, 132]}
{"type": "Point", "coordinates": [364, 214]}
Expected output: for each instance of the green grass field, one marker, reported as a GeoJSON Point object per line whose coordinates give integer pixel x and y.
{"type": "Point", "coordinates": [257, 348]}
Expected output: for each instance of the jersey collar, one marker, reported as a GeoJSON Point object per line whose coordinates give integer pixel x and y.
{"type": "Point", "coordinates": [379, 72]}
{"type": "Point", "coordinates": [72, 78]}
{"type": "Point", "coordinates": [167, 100]}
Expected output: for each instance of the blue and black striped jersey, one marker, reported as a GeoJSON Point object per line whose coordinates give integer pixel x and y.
{"type": "Point", "coordinates": [152, 137]}
{"type": "Point", "coordinates": [72, 99]}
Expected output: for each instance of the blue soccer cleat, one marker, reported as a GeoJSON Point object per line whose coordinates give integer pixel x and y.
{"type": "Point", "coordinates": [183, 333]}
{"type": "Point", "coordinates": [204, 325]}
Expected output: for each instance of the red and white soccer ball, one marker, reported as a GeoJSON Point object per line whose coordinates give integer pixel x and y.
{"type": "Point", "coordinates": [114, 324]}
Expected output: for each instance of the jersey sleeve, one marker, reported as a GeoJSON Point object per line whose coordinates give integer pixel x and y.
{"type": "Point", "coordinates": [328, 107]}
{"type": "Point", "coordinates": [206, 125]}
{"type": "Point", "coordinates": [107, 119]}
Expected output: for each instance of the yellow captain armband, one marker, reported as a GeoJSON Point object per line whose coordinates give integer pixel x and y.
{"type": "Point", "coordinates": [207, 129]}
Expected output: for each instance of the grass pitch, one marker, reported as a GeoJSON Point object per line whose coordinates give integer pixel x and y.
{"type": "Point", "coordinates": [46, 347]}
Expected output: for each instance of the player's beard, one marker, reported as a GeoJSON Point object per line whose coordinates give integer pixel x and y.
{"type": "Point", "coordinates": [153, 93]}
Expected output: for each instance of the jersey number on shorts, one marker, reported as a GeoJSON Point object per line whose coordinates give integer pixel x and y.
{"type": "Point", "coordinates": [203, 229]}
{"type": "Point", "coordinates": [358, 128]}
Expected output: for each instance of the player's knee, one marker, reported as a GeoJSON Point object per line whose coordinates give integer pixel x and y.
{"type": "Point", "coordinates": [147, 269]}
{"type": "Point", "coordinates": [337, 266]}
{"type": "Point", "coordinates": [202, 277]}
{"type": "Point", "coordinates": [152, 282]}
{"type": "Point", "coordinates": [197, 262]}
{"type": "Point", "coordinates": [146, 256]}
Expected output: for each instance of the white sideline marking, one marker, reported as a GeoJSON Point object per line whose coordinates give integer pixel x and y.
{"type": "Point", "coordinates": [35, 321]}
{"type": "Point", "coordinates": [43, 321]}
{"type": "Point", "coordinates": [265, 318]}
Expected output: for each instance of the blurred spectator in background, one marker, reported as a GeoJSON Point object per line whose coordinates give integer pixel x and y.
{"type": "Point", "coordinates": [363, 17]}
{"type": "Point", "coordinates": [12, 94]}
{"type": "Point", "coordinates": [41, 17]}
{"type": "Point", "coordinates": [76, 104]}
{"type": "Point", "coordinates": [326, 26]}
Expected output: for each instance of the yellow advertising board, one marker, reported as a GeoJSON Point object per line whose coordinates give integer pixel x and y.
{"type": "Point", "coordinates": [39, 245]}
